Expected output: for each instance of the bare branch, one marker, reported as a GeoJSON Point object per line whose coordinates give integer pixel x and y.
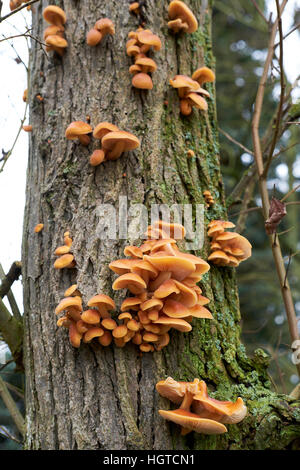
{"type": "Point", "coordinates": [17, 10]}
{"type": "Point", "coordinates": [235, 141]}
{"type": "Point", "coordinates": [12, 407]}
{"type": "Point", "coordinates": [11, 299]}
{"type": "Point", "coordinates": [259, 11]}
{"type": "Point", "coordinates": [13, 275]}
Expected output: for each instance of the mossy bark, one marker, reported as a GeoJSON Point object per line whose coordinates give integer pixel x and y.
{"type": "Point", "coordinates": [105, 398]}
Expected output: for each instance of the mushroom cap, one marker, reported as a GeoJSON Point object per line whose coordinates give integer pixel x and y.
{"type": "Point", "coordinates": [54, 30]}
{"type": "Point", "coordinates": [120, 331]}
{"type": "Point", "coordinates": [72, 290]}
{"type": "Point", "coordinates": [130, 281]}
{"type": "Point", "coordinates": [56, 41]}
{"type": "Point", "coordinates": [102, 300]}
{"type": "Point", "coordinates": [97, 157]}
{"type": "Point", "coordinates": [62, 250]}
{"type": "Point", "coordinates": [142, 268]}
{"type": "Point", "coordinates": [151, 304]}
{"type": "Point", "coordinates": [162, 342]}
{"type": "Point", "coordinates": [192, 421]}
{"type": "Point", "coordinates": [198, 311]}
{"type": "Point", "coordinates": [133, 325]}
{"type": "Point", "coordinates": [178, 25]}
{"type": "Point", "coordinates": [133, 251]}
{"type": "Point", "coordinates": [105, 25]}
{"type": "Point", "coordinates": [147, 65]}
{"type": "Point", "coordinates": [174, 230]}
{"type": "Point", "coordinates": [105, 339]}
{"type": "Point", "coordinates": [112, 139]}
{"type": "Point", "coordinates": [142, 81]}
{"type": "Point", "coordinates": [171, 389]}
{"type": "Point", "coordinates": [183, 81]}
{"type": "Point", "coordinates": [218, 255]}
{"type": "Point", "coordinates": [77, 128]}
{"type": "Point", "coordinates": [104, 128]}
{"type": "Point", "coordinates": [133, 69]}
{"type": "Point", "coordinates": [131, 303]}
{"type": "Point", "coordinates": [187, 295]}
{"type": "Point", "coordinates": [91, 316]}
{"type": "Point", "coordinates": [178, 266]}
{"type": "Point", "coordinates": [93, 37]}
{"type": "Point", "coordinates": [178, 9]}
{"type": "Point", "coordinates": [92, 333]}
{"type": "Point", "coordinates": [227, 412]}
{"type": "Point", "coordinates": [122, 266]}
{"type": "Point", "coordinates": [109, 323]}
{"type": "Point", "coordinates": [150, 39]}
{"type": "Point", "coordinates": [176, 323]}
{"type": "Point", "coordinates": [175, 309]}
{"type": "Point", "coordinates": [198, 101]}
{"type": "Point", "coordinates": [203, 74]}
{"type": "Point", "coordinates": [63, 261]}
{"type": "Point", "coordinates": [68, 302]}
{"type": "Point", "coordinates": [38, 228]}
{"type": "Point", "coordinates": [54, 15]}
{"type": "Point", "coordinates": [167, 288]}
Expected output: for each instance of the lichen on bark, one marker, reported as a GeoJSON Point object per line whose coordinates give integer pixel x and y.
{"type": "Point", "coordinates": [105, 398]}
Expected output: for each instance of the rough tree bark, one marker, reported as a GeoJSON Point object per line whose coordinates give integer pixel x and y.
{"type": "Point", "coordinates": [95, 398]}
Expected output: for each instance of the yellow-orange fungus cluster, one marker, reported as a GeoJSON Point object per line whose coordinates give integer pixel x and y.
{"type": "Point", "coordinates": [54, 34]}
{"type": "Point", "coordinates": [227, 248]}
{"type": "Point", "coordinates": [113, 143]}
{"type": "Point", "coordinates": [99, 31]}
{"type": "Point", "coordinates": [190, 89]}
{"type": "Point", "coordinates": [140, 42]}
{"type": "Point", "coordinates": [65, 258]}
{"type": "Point", "coordinates": [198, 412]}
{"type": "Point", "coordinates": [208, 198]}
{"type": "Point", "coordinates": [181, 18]}
{"type": "Point", "coordinates": [162, 281]}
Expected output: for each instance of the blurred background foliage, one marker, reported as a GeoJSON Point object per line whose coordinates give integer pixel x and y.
{"type": "Point", "coordinates": [240, 37]}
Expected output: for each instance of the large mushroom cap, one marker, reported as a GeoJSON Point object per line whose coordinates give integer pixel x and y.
{"type": "Point", "coordinates": [178, 266]}
{"type": "Point", "coordinates": [56, 41]}
{"type": "Point", "coordinates": [171, 389]}
{"type": "Point", "coordinates": [115, 143]}
{"type": "Point", "coordinates": [180, 10]}
{"type": "Point", "coordinates": [198, 101]}
{"type": "Point", "coordinates": [54, 15]}
{"type": "Point", "coordinates": [227, 412]}
{"type": "Point", "coordinates": [147, 65]}
{"type": "Point", "coordinates": [68, 302]}
{"type": "Point", "coordinates": [183, 81]}
{"type": "Point", "coordinates": [76, 129]}
{"type": "Point", "coordinates": [130, 281]}
{"type": "Point", "coordinates": [193, 422]}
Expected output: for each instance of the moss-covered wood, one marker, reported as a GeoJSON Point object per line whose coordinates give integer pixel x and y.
{"type": "Point", "coordinates": [95, 398]}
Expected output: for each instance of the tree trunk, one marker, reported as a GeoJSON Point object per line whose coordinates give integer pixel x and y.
{"type": "Point", "coordinates": [105, 398]}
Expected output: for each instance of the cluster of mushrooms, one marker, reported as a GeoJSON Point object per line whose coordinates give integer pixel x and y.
{"type": "Point", "coordinates": [101, 28]}
{"type": "Point", "coordinates": [140, 42]}
{"type": "Point", "coordinates": [208, 198]}
{"type": "Point", "coordinates": [190, 90]}
{"type": "Point", "coordinates": [113, 141]}
{"type": "Point", "coordinates": [198, 411]}
{"type": "Point", "coordinates": [165, 295]}
{"type": "Point", "coordinates": [54, 34]}
{"type": "Point", "coordinates": [227, 248]}
{"type": "Point", "coordinates": [65, 257]}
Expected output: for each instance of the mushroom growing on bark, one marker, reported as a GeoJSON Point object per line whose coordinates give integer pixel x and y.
{"type": "Point", "coordinates": [139, 44]}
{"type": "Point", "coordinates": [113, 143]}
{"type": "Point", "coordinates": [181, 18]}
{"type": "Point", "coordinates": [227, 248]}
{"type": "Point", "coordinates": [54, 34]}
{"type": "Point", "coordinates": [66, 259]}
{"type": "Point", "coordinates": [101, 28]}
{"type": "Point", "coordinates": [198, 412]}
{"type": "Point", "coordinates": [79, 130]}
{"type": "Point", "coordinates": [190, 93]}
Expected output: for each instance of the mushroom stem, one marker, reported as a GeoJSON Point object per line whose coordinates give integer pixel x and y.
{"type": "Point", "coordinates": [185, 107]}
{"type": "Point", "coordinates": [84, 139]}
{"type": "Point", "coordinates": [116, 152]}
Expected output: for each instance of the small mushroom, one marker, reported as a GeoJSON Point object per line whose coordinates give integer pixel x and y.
{"type": "Point", "coordinates": [79, 130]}
{"type": "Point", "coordinates": [38, 228]}
{"type": "Point", "coordinates": [54, 15]}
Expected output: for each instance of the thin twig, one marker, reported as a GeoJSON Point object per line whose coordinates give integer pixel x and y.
{"type": "Point", "coordinates": [13, 275]}
{"type": "Point", "coordinates": [276, 250]}
{"type": "Point", "coordinates": [290, 192]}
{"type": "Point", "coordinates": [12, 407]}
{"type": "Point", "coordinates": [287, 34]}
{"type": "Point", "coordinates": [235, 141]}
{"type": "Point", "coordinates": [11, 298]}
{"type": "Point", "coordinates": [6, 434]}
{"type": "Point", "coordinates": [259, 11]}
{"type": "Point", "coordinates": [282, 92]}
{"type": "Point", "coordinates": [17, 10]}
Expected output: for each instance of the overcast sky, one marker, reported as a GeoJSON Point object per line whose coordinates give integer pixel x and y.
{"type": "Point", "coordinates": [12, 86]}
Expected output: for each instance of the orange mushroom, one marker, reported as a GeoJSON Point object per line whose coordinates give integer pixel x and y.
{"type": "Point", "coordinates": [181, 18]}
{"type": "Point", "coordinates": [79, 130]}
{"type": "Point", "coordinates": [101, 28]}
